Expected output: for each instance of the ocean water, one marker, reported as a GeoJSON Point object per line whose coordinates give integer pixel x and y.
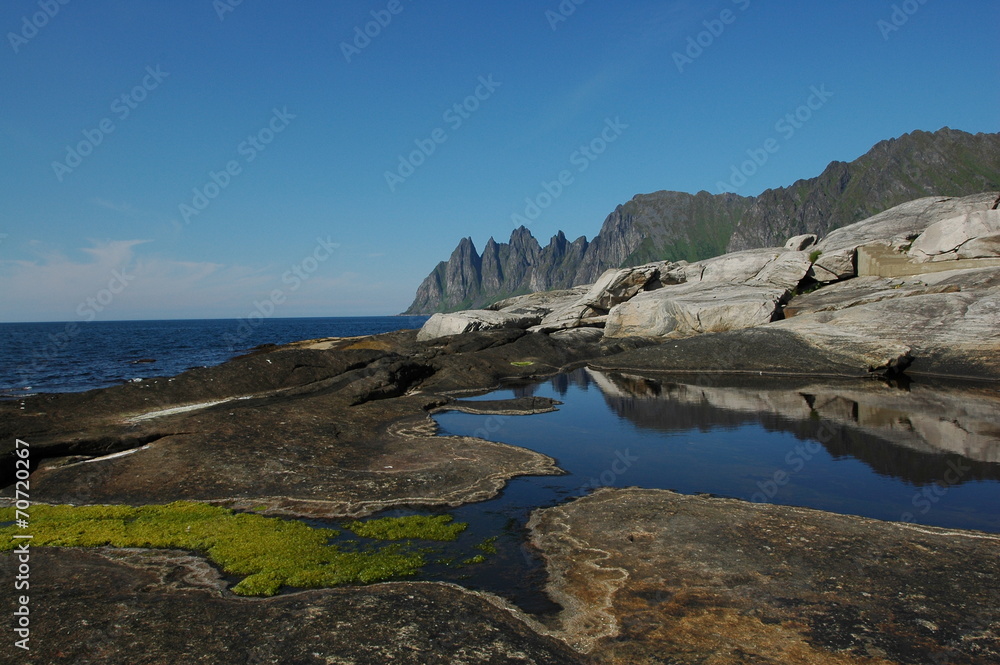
{"type": "Point", "coordinates": [73, 357]}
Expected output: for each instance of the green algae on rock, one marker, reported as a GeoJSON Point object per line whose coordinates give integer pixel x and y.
{"type": "Point", "coordinates": [420, 527]}
{"type": "Point", "coordinates": [271, 552]}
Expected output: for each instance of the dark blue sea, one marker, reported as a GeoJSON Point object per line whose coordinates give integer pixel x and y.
{"type": "Point", "coordinates": [72, 357]}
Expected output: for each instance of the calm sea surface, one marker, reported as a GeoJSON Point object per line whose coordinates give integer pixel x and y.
{"type": "Point", "coordinates": [61, 357]}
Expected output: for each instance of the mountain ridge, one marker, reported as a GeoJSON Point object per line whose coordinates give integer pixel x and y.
{"type": "Point", "coordinates": [670, 225]}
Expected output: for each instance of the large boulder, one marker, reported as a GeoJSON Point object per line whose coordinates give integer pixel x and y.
{"type": "Point", "coordinates": [541, 303]}
{"type": "Point", "coordinates": [949, 321]}
{"type": "Point", "coordinates": [974, 235]}
{"type": "Point", "coordinates": [799, 243]}
{"type": "Point", "coordinates": [614, 286]}
{"type": "Point", "coordinates": [455, 323]}
{"type": "Point", "coordinates": [901, 224]}
{"type": "Point", "coordinates": [862, 291]}
{"type": "Point", "coordinates": [769, 266]}
{"type": "Point", "coordinates": [617, 286]}
{"type": "Point", "coordinates": [574, 315]}
{"type": "Point", "coordinates": [695, 308]}
{"type": "Point", "coordinates": [834, 266]}
{"type": "Point", "coordinates": [786, 271]}
{"type": "Point", "coordinates": [735, 268]}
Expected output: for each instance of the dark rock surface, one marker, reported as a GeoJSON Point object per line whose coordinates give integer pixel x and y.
{"type": "Point", "coordinates": [649, 576]}
{"type": "Point", "coordinates": [132, 607]}
{"type": "Point", "coordinates": [333, 428]}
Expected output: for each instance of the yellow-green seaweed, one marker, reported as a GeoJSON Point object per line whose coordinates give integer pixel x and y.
{"type": "Point", "coordinates": [488, 545]}
{"type": "Point", "coordinates": [271, 552]}
{"type": "Point", "coordinates": [422, 527]}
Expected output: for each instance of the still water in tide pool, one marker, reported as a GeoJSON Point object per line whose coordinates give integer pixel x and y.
{"type": "Point", "coordinates": [920, 454]}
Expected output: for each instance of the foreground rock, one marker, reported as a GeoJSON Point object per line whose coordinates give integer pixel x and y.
{"type": "Point", "coordinates": [132, 606]}
{"type": "Point", "coordinates": [324, 430]}
{"type": "Point", "coordinates": [649, 576]}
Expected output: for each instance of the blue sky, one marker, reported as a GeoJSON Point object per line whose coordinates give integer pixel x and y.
{"type": "Point", "coordinates": [308, 129]}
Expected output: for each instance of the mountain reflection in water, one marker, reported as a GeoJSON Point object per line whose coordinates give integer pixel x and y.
{"type": "Point", "coordinates": [923, 454]}
{"type": "Point", "coordinates": [909, 434]}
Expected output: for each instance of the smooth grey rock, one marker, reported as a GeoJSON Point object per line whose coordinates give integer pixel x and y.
{"type": "Point", "coordinates": [772, 265]}
{"type": "Point", "coordinates": [542, 300]}
{"type": "Point", "coordinates": [668, 273]}
{"type": "Point", "coordinates": [690, 309]}
{"type": "Point", "coordinates": [798, 243]}
{"type": "Point", "coordinates": [787, 270]}
{"type": "Point", "coordinates": [442, 325]}
{"type": "Point", "coordinates": [861, 291]}
{"type": "Point", "coordinates": [834, 266]}
{"type": "Point", "coordinates": [947, 331]}
{"type": "Point", "coordinates": [901, 224]}
{"type": "Point", "coordinates": [571, 316]}
{"type": "Point", "coordinates": [613, 287]}
{"type": "Point", "coordinates": [945, 240]}
{"type": "Point", "coordinates": [616, 286]}
{"type": "Point", "coordinates": [987, 246]}
{"type": "Point", "coordinates": [737, 267]}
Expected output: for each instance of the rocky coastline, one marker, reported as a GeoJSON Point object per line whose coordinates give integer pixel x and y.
{"type": "Point", "coordinates": [341, 428]}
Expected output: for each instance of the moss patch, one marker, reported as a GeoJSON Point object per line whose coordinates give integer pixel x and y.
{"type": "Point", "coordinates": [422, 527]}
{"type": "Point", "coordinates": [271, 552]}
{"type": "Point", "coordinates": [489, 545]}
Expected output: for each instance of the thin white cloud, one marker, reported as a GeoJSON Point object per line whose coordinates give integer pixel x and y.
{"type": "Point", "coordinates": [125, 208]}
{"type": "Point", "coordinates": [114, 281]}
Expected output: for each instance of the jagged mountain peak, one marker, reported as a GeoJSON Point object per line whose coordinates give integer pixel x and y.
{"type": "Point", "coordinates": [672, 225]}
